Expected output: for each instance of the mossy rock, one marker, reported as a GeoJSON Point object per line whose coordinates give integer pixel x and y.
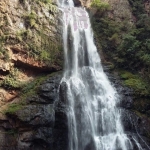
{"type": "Point", "coordinates": [13, 108]}
{"type": "Point", "coordinates": [28, 90]}
{"type": "Point", "coordinates": [138, 84]}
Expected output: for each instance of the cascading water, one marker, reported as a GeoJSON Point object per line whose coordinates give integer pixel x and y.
{"type": "Point", "coordinates": [94, 121]}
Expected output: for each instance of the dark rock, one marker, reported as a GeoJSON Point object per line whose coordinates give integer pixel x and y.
{"type": "Point", "coordinates": [31, 128]}
{"type": "Point", "coordinates": [61, 121]}
{"type": "Point", "coordinates": [39, 139]}
{"type": "Point", "coordinates": [5, 124]}
{"type": "Point", "coordinates": [126, 102]}
{"type": "Point", "coordinates": [62, 92]}
{"type": "Point", "coordinates": [8, 142]}
{"type": "Point", "coordinates": [49, 96]}
{"type": "Point", "coordinates": [137, 126]}
{"type": "Point", "coordinates": [48, 91]}
{"type": "Point", "coordinates": [37, 114]}
{"type": "Point", "coordinates": [142, 105]}
{"type": "Point", "coordinates": [77, 3]}
{"type": "Point", "coordinates": [61, 130]}
{"type": "Point", "coordinates": [127, 120]}
{"type": "Point", "coordinates": [36, 99]}
{"type": "Point", "coordinates": [125, 93]}
{"type": "Point", "coordinates": [47, 87]}
{"type": "Point", "coordinates": [45, 133]}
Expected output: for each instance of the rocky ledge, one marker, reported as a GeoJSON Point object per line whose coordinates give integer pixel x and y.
{"type": "Point", "coordinates": [136, 123]}
{"type": "Point", "coordinates": [30, 125]}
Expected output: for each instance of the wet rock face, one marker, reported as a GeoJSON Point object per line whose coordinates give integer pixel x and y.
{"type": "Point", "coordinates": [41, 125]}
{"type": "Point", "coordinates": [61, 123]}
{"type": "Point", "coordinates": [32, 127]}
{"type": "Point", "coordinates": [125, 93]}
{"type": "Point", "coordinates": [136, 125]}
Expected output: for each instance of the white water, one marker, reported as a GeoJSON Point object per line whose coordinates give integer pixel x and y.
{"type": "Point", "coordinates": [94, 121]}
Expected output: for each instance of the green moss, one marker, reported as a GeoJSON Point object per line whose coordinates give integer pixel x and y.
{"type": "Point", "coordinates": [30, 89]}
{"type": "Point", "coordinates": [31, 19]}
{"type": "Point", "coordinates": [22, 34]}
{"type": "Point", "coordinates": [36, 40]}
{"type": "Point", "coordinates": [46, 51]}
{"type": "Point", "coordinates": [41, 46]}
{"type": "Point", "coordinates": [125, 44]}
{"type": "Point", "coordinates": [13, 108]}
{"type": "Point", "coordinates": [3, 52]}
{"type": "Point", "coordinates": [45, 1]}
{"type": "Point", "coordinates": [102, 6]}
{"type": "Point", "coordinates": [126, 75]}
{"type": "Point", "coordinates": [138, 84]}
{"type": "Point", "coordinates": [11, 80]}
{"type": "Point", "coordinates": [10, 83]}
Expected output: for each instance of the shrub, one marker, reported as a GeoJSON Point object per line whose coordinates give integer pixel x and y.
{"type": "Point", "coordinates": [30, 19]}
{"type": "Point", "coordinates": [139, 85]}
{"type": "Point", "coordinates": [102, 6]}
{"type": "Point", "coordinates": [11, 80]}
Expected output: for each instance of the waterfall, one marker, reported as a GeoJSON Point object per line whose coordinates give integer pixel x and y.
{"type": "Point", "coordinates": [94, 121]}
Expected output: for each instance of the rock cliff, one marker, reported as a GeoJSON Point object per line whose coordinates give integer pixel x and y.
{"type": "Point", "coordinates": [30, 43]}
{"type": "Point", "coordinates": [30, 49]}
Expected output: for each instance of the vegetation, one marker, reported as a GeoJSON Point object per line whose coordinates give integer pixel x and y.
{"type": "Point", "coordinates": [38, 42]}
{"type": "Point", "coordinates": [34, 40]}
{"type": "Point", "coordinates": [13, 108]}
{"type": "Point", "coordinates": [43, 48]}
{"type": "Point", "coordinates": [28, 90]}
{"type": "Point", "coordinates": [127, 46]}
{"type": "Point", "coordinates": [102, 6]}
{"type": "Point", "coordinates": [31, 19]}
{"type": "Point", "coordinates": [11, 80]}
{"type": "Point", "coordinates": [36, 37]}
{"type": "Point", "coordinates": [3, 53]}
{"type": "Point", "coordinates": [45, 1]}
{"type": "Point", "coordinates": [140, 86]}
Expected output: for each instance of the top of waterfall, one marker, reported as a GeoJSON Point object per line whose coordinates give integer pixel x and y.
{"type": "Point", "coordinates": [65, 3]}
{"type": "Point", "coordinates": [77, 16]}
